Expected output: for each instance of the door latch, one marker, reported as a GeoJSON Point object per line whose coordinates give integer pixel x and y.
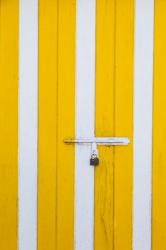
{"type": "Point", "coordinates": [105, 141]}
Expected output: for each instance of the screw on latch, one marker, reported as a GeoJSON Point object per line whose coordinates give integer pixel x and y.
{"type": "Point", "coordinates": [94, 160]}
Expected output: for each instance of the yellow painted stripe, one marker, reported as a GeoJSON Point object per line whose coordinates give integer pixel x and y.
{"type": "Point", "coordinates": [159, 131]}
{"type": "Point", "coordinates": [104, 126]}
{"type": "Point", "coordinates": [56, 122]}
{"type": "Point", "coordinates": [66, 124]}
{"type": "Point", "coordinates": [114, 85]}
{"type": "Point", "coordinates": [8, 123]}
{"type": "Point", "coordinates": [47, 131]}
{"type": "Point", "coordinates": [123, 124]}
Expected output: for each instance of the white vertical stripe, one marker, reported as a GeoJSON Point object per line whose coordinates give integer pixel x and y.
{"type": "Point", "coordinates": [84, 173]}
{"type": "Point", "coordinates": [28, 77]}
{"type": "Point", "coordinates": [143, 82]}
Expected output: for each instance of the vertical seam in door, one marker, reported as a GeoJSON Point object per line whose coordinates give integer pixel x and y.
{"type": "Point", "coordinates": [153, 124]}
{"type": "Point", "coordinates": [57, 119]}
{"type": "Point", "coordinates": [114, 119]}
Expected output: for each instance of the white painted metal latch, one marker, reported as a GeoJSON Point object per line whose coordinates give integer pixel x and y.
{"type": "Point", "coordinates": [108, 141]}
{"type": "Point", "coordinates": [105, 141]}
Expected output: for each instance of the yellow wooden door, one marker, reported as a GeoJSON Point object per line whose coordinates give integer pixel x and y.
{"type": "Point", "coordinates": [82, 79]}
{"type": "Point", "coordinates": [64, 36]}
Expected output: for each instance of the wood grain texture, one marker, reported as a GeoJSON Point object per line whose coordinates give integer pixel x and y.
{"type": "Point", "coordinates": [56, 122]}
{"type": "Point", "coordinates": [47, 131]}
{"type": "Point", "coordinates": [66, 124]}
{"type": "Point", "coordinates": [114, 93]}
{"type": "Point", "coordinates": [8, 123]}
{"type": "Point", "coordinates": [124, 65]}
{"type": "Point", "coordinates": [104, 125]}
{"type": "Point", "coordinates": [159, 131]}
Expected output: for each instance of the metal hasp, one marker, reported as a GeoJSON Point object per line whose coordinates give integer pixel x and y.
{"type": "Point", "coordinates": [105, 141]}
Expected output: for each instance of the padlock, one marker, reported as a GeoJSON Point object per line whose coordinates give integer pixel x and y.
{"type": "Point", "coordinates": [94, 160]}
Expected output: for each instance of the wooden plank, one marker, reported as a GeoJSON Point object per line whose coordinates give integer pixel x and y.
{"type": "Point", "coordinates": [66, 124]}
{"type": "Point", "coordinates": [8, 123]}
{"type": "Point", "coordinates": [104, 123]}
{"type": "Point", "coordinates": [47, 131]}
{"type": "Point", "coordinates": [159, 131]}
{"type": "Point", "coordinates": [123, 124]}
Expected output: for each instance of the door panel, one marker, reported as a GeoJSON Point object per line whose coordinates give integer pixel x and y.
{"type": "Point", "coordinates": [114, 44]}
{"type": "Point", "coordinates": [8, 123]}
{"type": "Point", "coordinates": [114, 85]}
